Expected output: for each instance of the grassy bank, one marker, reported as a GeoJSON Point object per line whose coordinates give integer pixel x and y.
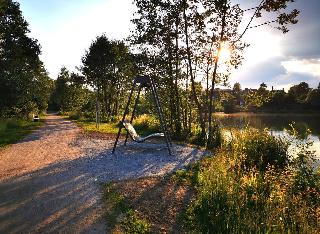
{"type": "Point", "coordinates": [144, 125]}
{"type": "Point", "coordinates": [12, 130]}
{"type": "Point", "coordinates": [89, 126]}
{"type": "Point", "coordinates": [252, 184]}
{"type": "Point", "coordinates": [281, 114]}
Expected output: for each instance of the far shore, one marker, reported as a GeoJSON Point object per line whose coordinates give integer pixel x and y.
{"type": "Point", "coordinates": [267, 114]}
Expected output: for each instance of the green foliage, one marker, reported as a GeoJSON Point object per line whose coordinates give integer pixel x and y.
{"type": "Point", "coordinates": [120, 216]}
{"type": "Point", "coordinates": [197, 136]}
{"type": "Point", "coordinates": [108, 67]}
{"type": "Point", "coordinates": [189, 175]}
{"type": "Point", "coordinates": [299, 92]}
{"type": "Point", "coordinates": [133, 225]}
{"type": "Point", "coordinates": [69, 93]}
{"type": "Point", "coordinates": [24, 84]}
{"type": "Point", "coordinates": [11, 130]}
{"type": "Point", "coordinates": [259, 149]}
{"type": "Point", "coordinates": [146, 124]}
{"type": "Point", "coordinates": [102, 128]}
{"type": "Point", "coordinates": [232, 200]}
{"type": "Point", "coordinates": [215, 139]}
{"type": "Point", "coordinates": [313, 98]}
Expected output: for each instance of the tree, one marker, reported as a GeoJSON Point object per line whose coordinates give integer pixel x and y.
{"type": "Point", "coordinates": [107, 67]}
{"type": "Point", "coordinates": [190, 35]}
{"type": "Point", "coordinates": [69, 93]}
{"type": "Point", "coordinates": [237, 92]}
{"type": "Point", "coordinates": [313, 98]}
{"type": "Point", "coordinates": [278, 100]}
{"type": "Point", "coordinates": [24, 83]}
{"type": "Point", "coordinates": [158, 26]}
{"type": "Point", "coordinates": [60, 93]}
{"type": "Point", "coordinates": [298, 93]}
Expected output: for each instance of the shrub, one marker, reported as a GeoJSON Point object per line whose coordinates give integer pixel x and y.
{"type": "Point", "coordinates": [197, 136]}
{"type": "Point", "coordinates": [146, 124]}
{"type": "Point", "coordinates": [215, 139]}
{"type": "Point", "coordinates": [259, 149]}
{"type": "Point", "coordinates": [75, 115]}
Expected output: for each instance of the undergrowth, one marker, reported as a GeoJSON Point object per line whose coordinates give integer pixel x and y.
{"type": "Point", "coordinates": [12, 130]}
{"type": "Point", "coordinates": [121, 218]}
{"type": "Point", "coordinates": [144, 124]}
{"type": "Point", "coordinates": [254, 185]}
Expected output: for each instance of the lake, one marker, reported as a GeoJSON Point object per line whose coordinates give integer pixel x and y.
{"type": "Point", "coordinates": [276, 123]}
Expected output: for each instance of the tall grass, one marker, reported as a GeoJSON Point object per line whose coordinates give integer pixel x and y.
{"type": "Point", "coordinates": [252, 185]}
{"type": "Point", "coordinates": [11, 130]}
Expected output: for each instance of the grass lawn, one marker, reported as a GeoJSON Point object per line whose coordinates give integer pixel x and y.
{"type": "Point", "coordinates": [144, 125]}
{"type": "Point", "coordinates": [110, 128]}
{"type": "Point", "coordinates": [12, 130]}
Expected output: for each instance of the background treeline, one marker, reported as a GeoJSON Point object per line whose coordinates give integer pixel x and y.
{"type": "Point", "coordinates": [101, 83]}
{"type": "Point", "coordinates": [299, 97]}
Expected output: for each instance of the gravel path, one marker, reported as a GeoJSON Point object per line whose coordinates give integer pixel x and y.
{"type": "Point", "coordinates": [50, 181]}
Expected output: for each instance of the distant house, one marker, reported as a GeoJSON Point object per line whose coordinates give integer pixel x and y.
{"type": "Point", "coordinates": [277, 90]}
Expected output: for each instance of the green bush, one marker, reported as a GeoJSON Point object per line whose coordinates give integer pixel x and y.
{"type": "Point", "coordinates": [146, 124]}
{"type": "Point", "coordinates": [215, 139]}
{"type": "Point", "coordinates": [230, 200]}
{"type": "Point", "coordinates": [75, 115]}
{"type": "Point", "coordinates": [259, 149]}
{"type": "Point", "coordinates": [197, 136]}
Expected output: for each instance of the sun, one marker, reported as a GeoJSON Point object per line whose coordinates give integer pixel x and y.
{"type": "Point", "coordinates": [224, 53]}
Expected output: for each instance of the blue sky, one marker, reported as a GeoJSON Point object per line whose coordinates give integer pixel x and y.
{"type": "Point", "coordinates": [66, 28]}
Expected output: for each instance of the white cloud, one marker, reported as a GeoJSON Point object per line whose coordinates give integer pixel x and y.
{"type": "Point", "coordinates": [308, 66]}
{"type": "Point", "coordinates": [263, 46]}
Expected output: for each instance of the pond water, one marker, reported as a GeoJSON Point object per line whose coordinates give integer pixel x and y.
{"type": "Point", "coordinates": [276, 123]}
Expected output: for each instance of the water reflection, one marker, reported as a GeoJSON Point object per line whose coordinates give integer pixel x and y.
{"type": "Point", "coordinates": [277, 123]}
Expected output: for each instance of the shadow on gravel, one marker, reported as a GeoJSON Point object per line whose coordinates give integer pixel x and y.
{"type": "Point", "coordinates": [53, 199]}
{"type": "Point", "coordinates": [64, 197]}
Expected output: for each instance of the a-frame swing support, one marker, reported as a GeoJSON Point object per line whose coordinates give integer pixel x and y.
{"type": "Point", "coordinates": [144, 82]}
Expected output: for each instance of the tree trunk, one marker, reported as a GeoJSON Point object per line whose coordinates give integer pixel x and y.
{"type": "Point", "coordinates": [173, 116]}
{"type": "Point", "coordinates": [178, 107]}
{"type": "Point", "coordinates": [214, 78]}
{"type": "Point", "coordinates": [193, 88]}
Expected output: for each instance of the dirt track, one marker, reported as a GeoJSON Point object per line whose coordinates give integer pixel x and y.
{"type": "Point", "coordinates": [41, 190]}
{"type": "Point", "coordinates": [50, 181]}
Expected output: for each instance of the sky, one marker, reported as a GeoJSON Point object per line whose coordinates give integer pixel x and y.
{"type": "Point", "coordinates": [65, 30]}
